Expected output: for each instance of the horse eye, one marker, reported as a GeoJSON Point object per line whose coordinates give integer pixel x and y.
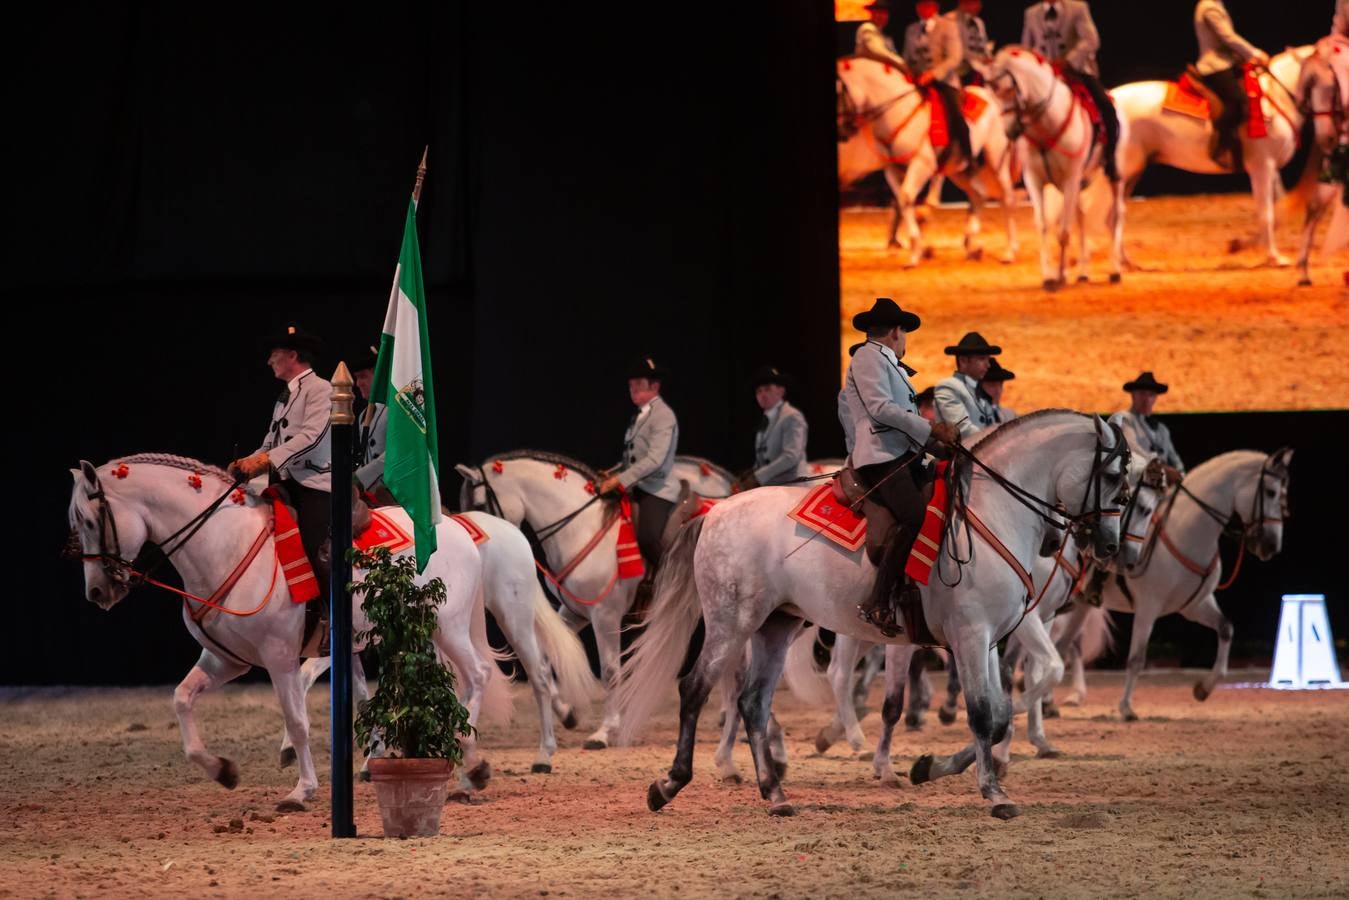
{"type": "Point", "coordinates": [89, 523]}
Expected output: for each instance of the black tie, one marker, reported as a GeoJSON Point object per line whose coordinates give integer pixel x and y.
{"type": "Point", "coordinates": [763, 422]}
{"type": "Point", "coordinates": [1052, 14]}
{"type": "Point", "coordinates": [284, 397]}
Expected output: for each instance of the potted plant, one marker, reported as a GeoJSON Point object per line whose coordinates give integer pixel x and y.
{"type": "Point", "coordinates": [414, 713]}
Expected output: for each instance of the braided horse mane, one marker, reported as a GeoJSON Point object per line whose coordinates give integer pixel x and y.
{"type": "Point", "coordinates": [704, 461]}
{"type": "Point", "coordinates": [996, 434]}
{"type": "Point", "coordinates": [186, 463]}
{"type": "Point", "coordinates": [546, 456]}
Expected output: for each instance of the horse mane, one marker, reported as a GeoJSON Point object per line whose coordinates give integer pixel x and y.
{"type": "Point", "coordinates": [989, 439]}
{"type": "Point", "coordinates": [186, 463]}
{"type": "Point", "coordinates": [703, 461]}
{"type": "Point", "coordinates": [547, 456]}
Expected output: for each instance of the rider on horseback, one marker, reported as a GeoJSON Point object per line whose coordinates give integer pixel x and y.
{"type": "Point", "coordinates": [1064, 32]}
{"type": "Point", "coordinates": [780, 441]}
{"type": "Point", "coordinates": [1222, 53]}
{"type": "Point", "coordinates": [373, 433]}
{"type": "Point", "coordinates": [934, 52]}
{"type": "Point", "coordinates": [889, 436]}
{"type": "Point", "coordinates": [649, 448]}
{"type": "Point", "coordinates": [958, 399]}
{"type": "Point", "coordinates": [977, 49]}
{"type": "Point", "coordinates": [991, 387]}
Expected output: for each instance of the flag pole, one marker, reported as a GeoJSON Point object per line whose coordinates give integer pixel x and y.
{"type": "Point", "coordinates": [416, 200]}
{"type": "Point", "coordinates": [340, 422]}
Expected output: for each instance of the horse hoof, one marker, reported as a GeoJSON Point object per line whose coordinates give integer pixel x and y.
{"type": "Point", "coordinates": [1050, 712]}
{"type": "Point", "coordinates": [947, 716]}
{"type": "Point", "coordinates": [592, 744]}
{"type": "Point", "coordinates": [822, 743]}
{"type": "Point", "coordinates": [921, 773]}
{"type": "Point", "coordinates": [1005, 811]}
{"type": "Point", "coordinates": [913, 723]}
{"type": "Point", "coordinates": [975, 255]}
{"type": "Point", "coordinates": [541, 769]}
{"type": "Point", "coordinates": [364, 775]}
{"type": "Point", "coordinates": [733, 778]}
{"type": "Point", "coordinates": [782, 809]}
{"type": "Point", "coordinates": [1115, 278]}
{"type": "Point", "coordinates": [1235, 245]}
{"type": "Point", "coordinates": [779, 769]}
{"type": "Point", "coordinates": [569, 722]}
{"type": "Point", "coordinates": [291, 806]}
{"type": "Point", "coordinates": [1082, 279]}
{"type": "Point", "coordinates": [1200, 692]}
{"type": "Point", "coordinates": [1049, 754]}
{"type": "Point", "coordinates": [1304, 282]}
{"type": "Point", "coordinates": [1131, 716]}
{"type": "Point", "coordinates": [479, 775]}
{"type": "Point", "coordinates": [1051, 285]}
{"type": "Point", "coordinates": [458, 795]}
{"type": "Point", "coordinates": [1000, 768]}
{"type": "Point", "coordinates": [929, 253]}
{"type": "Point", "coordinates": [287, 758]}
{"type": "Point", "coordinates": [654, 798]}
{"type": "Point", "coordinates": [228, 774]}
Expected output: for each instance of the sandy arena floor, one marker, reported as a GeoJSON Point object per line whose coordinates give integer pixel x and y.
{"type": "Point", "coordinates": [1202, 318]}
{"type": "Point", "coordinates": [1246, 795]}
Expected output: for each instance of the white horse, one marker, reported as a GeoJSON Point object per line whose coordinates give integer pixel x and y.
{"type": "Point", "coordinates": [1150, 134]}
{"type": "Point", "coordinates": [1054, 578]}
{"type": "Point", "coordinates": [579, 534]}
{"type": "Point", "coordinates": [550, 653]}
{"type": "Point", "coordinates": [1058, 144]}
{"type": "Point", "coordinates": [705, 478]}
{"type": "Point", "coordinates": [248, 618]}
{"type": "Point", "coordinates": [884, 120]}
{"type": "Point", "coordinates": [1324, 93]}
{"type": "Point", "coordinates": [1181, 568]}
{"type": "Point", "coordinates": [749, 573]}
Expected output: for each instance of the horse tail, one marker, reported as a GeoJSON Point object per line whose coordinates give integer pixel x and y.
{"type": "Point", "coordinates": [575, 682]}
{"type": "Point", "coordinates": [803, 674]}
{"type": "Point", "coordinates": [1098, 634]}
{"type": "Point", "coordinates": [657, 655]}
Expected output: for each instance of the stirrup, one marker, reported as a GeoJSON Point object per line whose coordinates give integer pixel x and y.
{"type": "Point", "coordinates": [876, 619]}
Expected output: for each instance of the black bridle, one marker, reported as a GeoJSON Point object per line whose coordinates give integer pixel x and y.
{"type": "Point", "coordinates": [492, 506]}
{"type": "Point", "coordinates": [130, 573]}
{"type": "Point", "coordinates": [850, 117]}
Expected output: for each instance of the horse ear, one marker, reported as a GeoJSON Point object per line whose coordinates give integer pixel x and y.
{"type": "Point", "coordinates": [90, 473]}
{"type": "Point", "coordinates": [1285, 457]}
{"type": "Point", "coordinates": [467, 473]}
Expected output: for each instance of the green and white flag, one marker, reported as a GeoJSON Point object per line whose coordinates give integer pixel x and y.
{"type": "Point", "coordinates": [403, 373]}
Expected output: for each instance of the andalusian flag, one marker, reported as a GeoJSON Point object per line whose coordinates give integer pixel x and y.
{"type": "Point", "coordinates": [411, 457]}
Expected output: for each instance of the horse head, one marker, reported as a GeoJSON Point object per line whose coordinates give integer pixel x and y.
{"type": "Point", "coordinates": [1322, 98]}
{"type": "Point", "coordinates": [1265, 498]}
{"type": "Point", "coordinates": [99, 531]}
{"type": "Point", "coordinates": [1149, 479]}
{"type": "Point", "coordinates": [1104, 490]}
{"type": "Point", "coordinates": [1020, 78]}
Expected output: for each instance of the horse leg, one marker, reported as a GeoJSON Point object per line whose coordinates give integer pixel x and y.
{"type": "Point", "coordinates": [777, 746]}
{"type": "Point", "coordinates": [731, 685]}
{"type": "Point", "coordinates": [1144, 618]}
{"type": "Point", "coordinates": [988, 709]}
{"type": "Point", "coordinates": [607, 619]}
{"type": "Point", "coordinates": [287, 684]}
{"type": "Point", "coordinates": [920, 692]}
{"type": "Point", "coordinates": [1073, 212]}
{"type": "Point", "coordinates": [1205, 611]}
{"type": "Point", "coordinates": [474, 671]}
{"type": "Point", "coordinates": [360, 692]}
{"type": "Point", "coordinates": [894, 177]}
{"type": "Point", "coordinates": [842, 665]}
{"type": "Point", "coordinates": [309, 674]}
{"type": "Point", "coordinates": [514, 612]}
{"type": "Point", "coordinates": [1115, 220]}
{"type": "Point", "coordinates": [1317, 204]}
{"type": "Point", "coordinates": [918, 172]}
{"type": "Point", "coordinates": [947, 713]}
{"type": "Point", "coordinates": [897, 659]}
{"type": "Point", "coordinates": [1036, 189]}
{"type": "Point", "coordinates": [770, 644]}
{"type": "Point", "coordinates": [723, 646]}
{"type": "Point", "coordinates": [210, 672]}
{"type": "Point", "coordinates": [1043, 669]}
{"type": "Point", "coordinates": [873, 663]}
{"type": "Point", "coordinates": [973, 251]}
{"type": "Point", "coordinates": [1263, 179]}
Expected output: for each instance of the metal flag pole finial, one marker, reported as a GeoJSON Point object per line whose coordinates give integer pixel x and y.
{"type": "Point", "coordinates": [421, 176]}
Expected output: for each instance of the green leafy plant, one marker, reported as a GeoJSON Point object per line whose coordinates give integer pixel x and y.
{"type": "Point", "coordinates": [415, 712]}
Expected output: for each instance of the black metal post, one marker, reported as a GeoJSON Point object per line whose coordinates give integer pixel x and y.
{"type": "Point", "coordinates": [341, 424]}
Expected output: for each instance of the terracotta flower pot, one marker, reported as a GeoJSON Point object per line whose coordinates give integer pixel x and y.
{"type": "Point", "coordinates": [411, 794]}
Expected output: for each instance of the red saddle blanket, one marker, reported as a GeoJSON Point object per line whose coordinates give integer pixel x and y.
{"type": "Point", "coordinates": [939, 129]}
{"type": "Point", "coordinates": [630, 564]}
{"type": "Point", "coordinates": [822, 512]}
{"type": "Point", "coordinates": [479, 536]}
{"type": "Point", "coordinates": [1184, 98]}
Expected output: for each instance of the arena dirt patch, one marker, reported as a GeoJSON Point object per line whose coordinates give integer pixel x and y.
{"type": "Point", "coordinates": [1245, 795]}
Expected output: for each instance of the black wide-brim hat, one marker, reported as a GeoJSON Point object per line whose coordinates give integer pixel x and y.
{"type": "Point", "coordinates": [771, 375]}
{"type": "Point", "coordinates": [364, 358]}
{"type": "Point", "coordinates": [885, 313]}
{"type": "Point", "coordinates": [973, 344]}
{"type": "Point", "coordinates": [997, 373]}
{"type": "Point", "coordinates": [648, 368]}
{"type": "Point", "coordinates": [292, 338]}
{"type": "Point", "coordinates": [1146, 382]}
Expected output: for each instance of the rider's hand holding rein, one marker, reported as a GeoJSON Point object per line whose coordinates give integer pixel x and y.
{"type": "Point", "coordinates": [250, 467]}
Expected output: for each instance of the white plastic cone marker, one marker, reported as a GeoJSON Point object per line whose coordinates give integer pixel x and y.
{"type": "Point", "coordinates": [1304, 654]}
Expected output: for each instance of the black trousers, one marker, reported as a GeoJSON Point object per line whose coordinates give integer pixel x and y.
{"type": "Point", "coordinates": [1109, 118]}
{"type": "Point", "coordinates": [652, 515]}
{"type": "Point", "coordinates": [313, 513]}
{"type": "Point", "coordinates": [955, 119]}
{"type": "Point", "coordinates": [901, 493]}
{"type": "Point", "coordinates": [1229, 87]}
